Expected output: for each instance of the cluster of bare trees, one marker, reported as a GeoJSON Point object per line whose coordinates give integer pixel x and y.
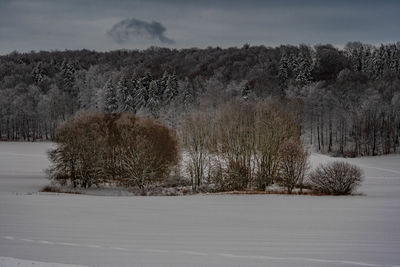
{"type": "Point", "coordinates": [119, 149]}
{"type": "Point", "coordinates": [247, 146]}
{"type": "Point", "coordinates": [244, 146]}
{"type": "Point", "coordinates": [345, 122]}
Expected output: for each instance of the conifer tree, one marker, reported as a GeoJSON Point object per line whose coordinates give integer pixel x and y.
{"type": "Point", "coordinates": [188, 94]}
{"type": "Point", "coordinates": [38, 74]}
{"type": "Point", "coordinates": [153, 101]}
{"type": "Point", "coordinates": [171, 89]}
{"type": "Point", "coordinates": [125, 100]}
{"type": "Point", "coordinates": [283, 73]}
{"type": "Point", "coordinates": [68, 79]}
{"type": "Point", "coordinates": [141, 94]}
{"type": "Point", "coordinates": [110, 97]}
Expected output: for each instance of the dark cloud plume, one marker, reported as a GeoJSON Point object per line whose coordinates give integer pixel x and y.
{"type": "Point", "coordinates": [130, 29]}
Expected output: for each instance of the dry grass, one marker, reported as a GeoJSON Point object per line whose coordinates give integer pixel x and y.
{"type": "Point", "coordinates": [56, 189]}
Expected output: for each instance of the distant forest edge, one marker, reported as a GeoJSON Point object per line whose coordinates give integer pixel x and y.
{"type": "Point", "coordinates": [347, 101]}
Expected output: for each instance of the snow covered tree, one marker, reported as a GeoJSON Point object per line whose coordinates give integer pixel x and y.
{"type": "Point", "coordinates": [163, 83]}
{"type": "Point", "coordinates": [283, 73]}
{"type": "Point", "coordinates": [110, 97]}
{"type": "Point", "coordinates": [68, 78]}
{"type": "Point", "coordinates": [304, 66]}
{"type": "Point", "coordinates": [146, 80]}
{"type": "Point", "coordinates": [141, 94]}
{"type": "Point", "coordinates": [188, 94]}
{"type": "Point", "coordinates": [367, 60]}
{"type": "Point", "coordinates": [38, 74]}
{"type": "Point", "coordinates": [154, 99]}
{"type": "Point", "coordinates": [90, 84]}
{"type": "Point", "coordinates": [125, 99]}
{"type": "Point", "coordinates": [354, 52]}
{"type": "Point", "coordinates": [171, 89]}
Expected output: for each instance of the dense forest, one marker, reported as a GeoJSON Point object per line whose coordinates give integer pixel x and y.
{"type": "Point", "coordinates": [347, 101]}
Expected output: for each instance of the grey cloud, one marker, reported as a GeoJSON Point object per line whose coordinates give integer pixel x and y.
{"type": "Point", "coordinates": [75, 24]}
{"type": "Point", "coordinates": [129, 30]}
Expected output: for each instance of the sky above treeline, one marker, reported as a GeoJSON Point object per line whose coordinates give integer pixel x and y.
{"type": "Point", "coordinates": [104, 25]}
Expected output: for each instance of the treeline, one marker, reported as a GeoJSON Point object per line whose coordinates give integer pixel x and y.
{"type": "Point", "coordinates": [348, 100]}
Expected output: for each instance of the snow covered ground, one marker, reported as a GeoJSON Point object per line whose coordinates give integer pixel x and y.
{"type": "Point", "coordinates": [13, 262]}
{"type": "Point", "coordinates": [200, 230]}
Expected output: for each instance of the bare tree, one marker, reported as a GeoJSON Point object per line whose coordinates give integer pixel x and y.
{"type": "Point", "coordinates": [274, 125]}
{"type": "Point", "coordinates": [234, 136]}
{"type": "Point", "coordinates": [294, 164]}
{"type": "Point", "coordinates": [195, 134]}
{"type": "Point", "coordinates": [148, 151]}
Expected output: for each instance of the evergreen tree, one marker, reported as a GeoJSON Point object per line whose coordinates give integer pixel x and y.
{"type": "Point", "coordinates": [367, 61]}
{"type": "Point", "coordinates": [141, 94]}
{"type": "Point", "coordinates": [68, 79]}
{"type": "Point", "coordinates": [153, 101]}
{"type": "Point", "coordinates": [125, 99]}
{"type": "Point", "coordinates": [110, 97]}
{"type": "Point", "coordinates": [283, 73]}
{"type": "Point", "coordinates": [163, 82]}
{"type": "Point", "coordinates": [304, 69]}
{"type": "Point", "coordinates": [354, 52]}
{"type": "Point", "coordinates": [188, 94]}
{"type": "Point", "coordinates": [146, 80]}
{"type": "Point", "coordinates": [171, 88]}
{"type": "Point", "coordinates": [38, 74]}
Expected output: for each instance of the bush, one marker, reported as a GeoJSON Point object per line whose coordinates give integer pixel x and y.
{"type": "Point", "coordinates": [235, 178]}
{"type": "Point", "coordinates": [338, 178]}
{"type": "Point", "coordinates": [94, 149]}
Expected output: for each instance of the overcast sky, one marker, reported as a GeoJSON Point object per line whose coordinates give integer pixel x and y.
{"type": "Point", "coordinates": [27, 25]}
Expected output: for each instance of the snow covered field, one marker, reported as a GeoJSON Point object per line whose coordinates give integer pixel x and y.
{"type": "Point", "coordinates": [200, 230]}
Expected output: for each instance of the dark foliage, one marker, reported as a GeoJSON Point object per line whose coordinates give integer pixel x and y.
{"type": "Point", "coordinates": [122, 149]}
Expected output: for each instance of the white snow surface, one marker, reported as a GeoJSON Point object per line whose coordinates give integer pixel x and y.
{"type": "Point", "coordinates": [13, 262]}
{"type": "Point", "coordinates": [200, 230]}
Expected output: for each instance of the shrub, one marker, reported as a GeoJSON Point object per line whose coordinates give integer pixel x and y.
{"type": "Point", "coordinates": [235, 178]}
{"type": "Point", "coordinates": [338, 178]}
